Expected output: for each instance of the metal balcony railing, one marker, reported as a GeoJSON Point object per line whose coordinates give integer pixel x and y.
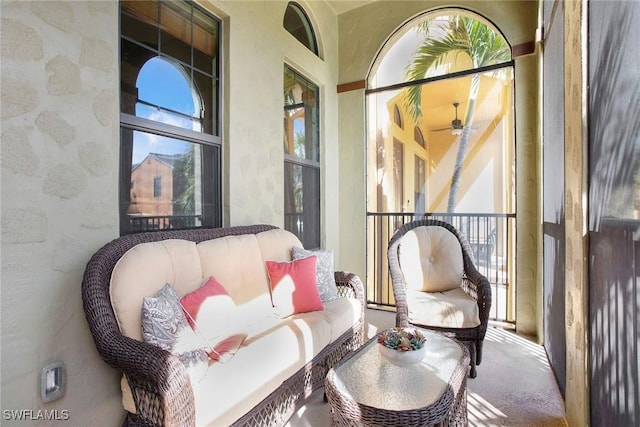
{"type": "Point", "coordinates": [163, 222]}
{"type": "Point", "coordinates": [492, 239]}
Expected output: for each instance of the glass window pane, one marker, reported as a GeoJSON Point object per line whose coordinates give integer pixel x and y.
{"type": "Point", "coordinates": [165, 95]}
{"type": "Point", "coordinates": [175, 30]}
{"type": "Point", "coordinates": [133, 57]}
{"type": "Point", "coordinates": [302, 203]}
{"type": "Point", "coordinates": [445, 42]}
{"type": "Point", "coordinates": [205, 43]}
{"type": "Point", "coordinates": [482, 124]}
{"type": "Point", "coordinates": [207, 90]}
{"type": "Point", "coordinates": [168, 182]}
{"type": "Point", "coordinates": [419, 185]}
{"type": "Point", "coordinates": [300, 117]}
{"type": "Point", "coordinates": [297, 23]}
{"type": "Point", "coordinates": [139, 21]}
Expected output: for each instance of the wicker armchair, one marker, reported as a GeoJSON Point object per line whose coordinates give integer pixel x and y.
{"type": "Point", "coordinates": [474, 285]}
{"type": "Point", "coordinates": [159, 383]}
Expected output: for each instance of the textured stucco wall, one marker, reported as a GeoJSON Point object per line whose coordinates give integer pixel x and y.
{"type": "Point", "coordinates": [258, 47]}
{"type": "Point", "coordinates": [60, 148]}
{"type": "Point", "coordinates": [59, 197]}
{"type": "Point", "coordinates": [363, 32]}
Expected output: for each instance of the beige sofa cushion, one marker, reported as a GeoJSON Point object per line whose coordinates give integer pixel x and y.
{"type": "Point", "coordinates": [449, 309]}
{"type": "Point", "coordinates": [235, 262]}
{"type": "Point", "coordinates": [431, 259]}
{"type": "Point", "coordinates": [259, 368]}
{"type": "Point", "coordinates": [276, 244]}
{"type": "Point", "coordinates": [143, 271]}
{"type": "Point", "coordinates": [341, 314]}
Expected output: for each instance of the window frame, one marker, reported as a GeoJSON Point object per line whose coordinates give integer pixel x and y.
{"type": "Point", "coordinates": [312, 40]}
{"type": "Point", "coordinates": [133, 123]}
{"type": "Point", "coordinates": [315, 165]}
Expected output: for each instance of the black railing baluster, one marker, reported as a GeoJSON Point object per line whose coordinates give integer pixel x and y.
{"type": "Point", "coordinates": [140, 223]}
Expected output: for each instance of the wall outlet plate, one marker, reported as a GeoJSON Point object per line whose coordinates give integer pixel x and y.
{"type": "Point", "coordinates": [53, 379]}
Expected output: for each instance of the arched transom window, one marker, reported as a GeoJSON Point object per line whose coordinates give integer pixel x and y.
{"type": "Point", "coordinates": [298, 24]}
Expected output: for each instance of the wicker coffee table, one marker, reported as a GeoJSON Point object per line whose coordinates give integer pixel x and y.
{"type": "Point", "coordinates": [367, 390]}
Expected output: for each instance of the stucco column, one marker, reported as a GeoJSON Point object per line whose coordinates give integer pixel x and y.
{"type": "Point", "coordinates": [576, 168]}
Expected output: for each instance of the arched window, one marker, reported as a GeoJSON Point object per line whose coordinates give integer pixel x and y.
{"type": "Point", "coordinates": [467, 118]}
{"type": "Point", "coordinates": [418, 137]}
{"type": "Point", "coordinates": [166, 94]}
{"type": "Point", "coordinates": [397, 117]}
{"type": "Point", "coordinates": [170, 145]}
{"type": "Point", "coordinates": [298, 24]}
{"type": "Point", "coordinates": [445, 77]}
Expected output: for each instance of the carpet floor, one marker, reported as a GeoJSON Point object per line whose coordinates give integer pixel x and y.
{"type": "Point", "coordinates": [514, 386]}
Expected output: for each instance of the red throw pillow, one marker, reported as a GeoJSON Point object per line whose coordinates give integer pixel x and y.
{"type": "Point", "coordinates": [293, 286]}
{"type": "Point", "coordinates": [193, 301]}
{"type": "Point", "coordinates": [214, 316]}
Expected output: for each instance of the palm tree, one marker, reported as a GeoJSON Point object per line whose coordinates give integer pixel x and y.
{"type": "Point", "coordinates": [464, 35]}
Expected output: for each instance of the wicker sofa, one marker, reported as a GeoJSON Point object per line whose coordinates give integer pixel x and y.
{"type": "Point", "coordinates": [281, 361]}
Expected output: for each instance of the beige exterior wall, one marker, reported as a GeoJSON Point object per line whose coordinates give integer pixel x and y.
{"type": "Point", "coordinates": [257, 47]}
{"type": "Point", "coordinates": [60, 159]}
{"type": "Point", "coordinates": [362, 34]}
{"type": "Point", "coordinates": [59, 197]}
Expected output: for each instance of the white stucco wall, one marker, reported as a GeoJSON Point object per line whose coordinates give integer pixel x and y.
{"type": "Point", "coordinates": [60, 156]}
{"type": "Point", "coordinates": [362, 34]}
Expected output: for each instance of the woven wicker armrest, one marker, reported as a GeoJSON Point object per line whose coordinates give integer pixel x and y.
{"type": "Point", "coordinates": [159, 382]}
{"type": "Point", "coordinates": [349, 285]}
{"type": "Point", "coordinates": [160, 385]}
{"type": "Point", "coordinates": [477, 286]}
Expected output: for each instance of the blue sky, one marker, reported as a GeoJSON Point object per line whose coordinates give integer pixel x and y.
{"type": "Point", "coordinates": [161, 83]}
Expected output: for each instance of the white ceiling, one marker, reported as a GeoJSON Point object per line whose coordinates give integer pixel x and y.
{"type": "Point", "coordinates": [342, 6]}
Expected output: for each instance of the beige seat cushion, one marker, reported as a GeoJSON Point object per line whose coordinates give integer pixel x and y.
{"type": "Point", "coordinates": [449, 309]}
{"type": "Point", "coordinates": [431, 259]}
{"type": "Point", "coordinates": [341, 314]}
{"type": "Point", "coordinates": [259, 368]}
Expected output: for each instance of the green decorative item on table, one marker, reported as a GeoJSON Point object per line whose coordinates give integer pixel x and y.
{"type": "Point", "coordinates": [402, 346]}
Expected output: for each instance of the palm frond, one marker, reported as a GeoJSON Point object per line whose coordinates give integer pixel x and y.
{"type": "Point", "coordinates": [465, 34]}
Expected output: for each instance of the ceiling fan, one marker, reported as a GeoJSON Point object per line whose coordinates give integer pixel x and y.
{"type": "Point", "coordinates": [456, 124]}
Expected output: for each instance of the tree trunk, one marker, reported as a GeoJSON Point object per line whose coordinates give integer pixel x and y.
{"type": "Point", "coordinates": [464, 142]}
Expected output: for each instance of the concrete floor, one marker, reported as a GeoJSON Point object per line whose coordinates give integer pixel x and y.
{"type": "Point", "coordinates": [514, 386]}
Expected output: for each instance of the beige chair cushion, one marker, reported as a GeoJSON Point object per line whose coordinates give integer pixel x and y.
{"type": "Point", "coordinates": [430, 259]}
{"type": "Point", "coordinates": [449, 309]}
